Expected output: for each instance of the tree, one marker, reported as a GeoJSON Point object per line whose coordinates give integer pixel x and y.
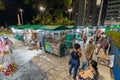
{"type": "Point", "coordinates": [56, 8]}
{"type": "Point", "coordinates": [54, 4]}
{"type": "Point", "coordinates": [39, 19]}
{"type": "Point", "coordinates": [63, 21]}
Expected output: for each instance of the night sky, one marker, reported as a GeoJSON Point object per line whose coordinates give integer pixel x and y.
{"type": "Point", "coordinates": [9, 15]}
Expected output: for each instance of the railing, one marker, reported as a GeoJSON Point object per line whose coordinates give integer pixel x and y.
{"type": "Point", "coordinates": [115, 51]}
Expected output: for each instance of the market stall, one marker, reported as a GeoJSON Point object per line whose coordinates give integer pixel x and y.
{"type": "Point", "coordinates": [18, 33]}
{"type": "Point", "coordinates": [40, 38]}
{"type": "Point", "coordinates": [19, 30]}
{"type": "Point", "coordinates": [7, 66]}
{"type": "Point", "coordinates": [70, 36]}
{"type": "Point", "coordinates": [78, 35]}
{"type": "Point", "coordinates": [69, 40]}
{"type": "Point", "coordinates": [53, 39]}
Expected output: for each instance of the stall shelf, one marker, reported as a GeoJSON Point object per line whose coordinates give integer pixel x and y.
{"type": "Point", "coordinates": [54, 39]}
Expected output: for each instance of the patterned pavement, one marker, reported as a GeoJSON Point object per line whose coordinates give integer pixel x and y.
{"type": "Point", "coordinates": [37, 65]}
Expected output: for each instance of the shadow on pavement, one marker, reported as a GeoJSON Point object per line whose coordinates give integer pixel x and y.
{"type": "Point", "coordinates": [32, 72]}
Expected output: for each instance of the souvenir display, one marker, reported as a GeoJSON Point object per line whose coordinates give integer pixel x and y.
{"type": "Point", "coordinates": [54, 44]}
{"type": "Point", "coordinates": [7, 66]}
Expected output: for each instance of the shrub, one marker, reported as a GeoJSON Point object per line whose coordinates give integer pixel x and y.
{"type": "Point", "coordinates": [115, 37]}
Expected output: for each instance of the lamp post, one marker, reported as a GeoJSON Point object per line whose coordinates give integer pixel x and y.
{"type": "Point", "coordinates": [101, 6]}
{"type": "Point", "coordinates": [21, 14]}
{"type": "Point", "coordinates": [85, 4]}
{"type": "Point", "coordinates": [70, 11]}
{"type": "Point", "coordinates": [42, 9]}
{"type": "Point", "coordinates": [98, 22]}
{"type": "Point", "coordinates": [18, 17]}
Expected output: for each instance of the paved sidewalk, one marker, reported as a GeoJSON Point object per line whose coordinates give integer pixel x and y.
{"type": "Point", "coordinates": [45, 66]}
{"type": "Point", "coordinates": [50, 67]}
{"type": "Point", "coordinates": [54, 67]}
{"type": "Point", "coordinates": [57, 68]}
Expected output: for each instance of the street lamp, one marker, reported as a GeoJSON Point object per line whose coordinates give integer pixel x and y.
{"type": "Point", "coordinates": [70, 11]}
{"type": "Point", "coordinates": [21, 13]}
{"type": "Point", "coordinates": [85, 5]}
{"type": "Point", "coordinates": [98, 22]}
{"type": "Point", "coordinates": [42, 9]}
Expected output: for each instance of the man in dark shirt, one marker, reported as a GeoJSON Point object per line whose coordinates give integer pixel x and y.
{"type": "Point", "coordinates": [103, 44]}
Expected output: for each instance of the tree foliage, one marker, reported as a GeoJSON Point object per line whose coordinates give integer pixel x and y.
{"type": "Point", "coordinates": [55, 11]}
{"type": "Point", "coordinates": [43, 19]}
{"type": "Point", "coordinates": [54, 4]}
{"type": "Point", "coordinates": [2, 7]}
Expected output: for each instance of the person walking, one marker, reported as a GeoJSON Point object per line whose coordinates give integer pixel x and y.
{"type": "Point", "coordinates": [74, 61]}
{"type": "Point", "coordinates": [89, 50]}
{"type": "Point", "coordinates": [84, 41]}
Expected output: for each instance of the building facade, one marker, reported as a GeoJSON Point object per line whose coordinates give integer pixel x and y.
{"type": "Point", "coordinates": [113, 12]}
{"type": "Point", "coordinates": [91, 13]}
{"type": "Point", "coordinates": [85, 12]}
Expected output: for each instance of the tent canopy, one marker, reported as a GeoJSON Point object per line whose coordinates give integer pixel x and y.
{"type": "Point", "coordinates": [13, 26]}
{"type": "Point", "coordinates": [27, 26]}
{"type": "Point", "coordinates": [32, 26]}
{"type": "Point", "coordinates": [53, 28]}
{"type": "Point", "coordinates": [47, 27]}
{"type": "Point", "coordinates": [82, 26]}
{"type": "Point", "coordinates": [72, 27]}
{"type": "Point", "coordinates": [61, 28]}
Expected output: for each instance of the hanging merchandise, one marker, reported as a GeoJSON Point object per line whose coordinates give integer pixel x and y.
{"type": "Point", "coordinates": [7, 66]}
